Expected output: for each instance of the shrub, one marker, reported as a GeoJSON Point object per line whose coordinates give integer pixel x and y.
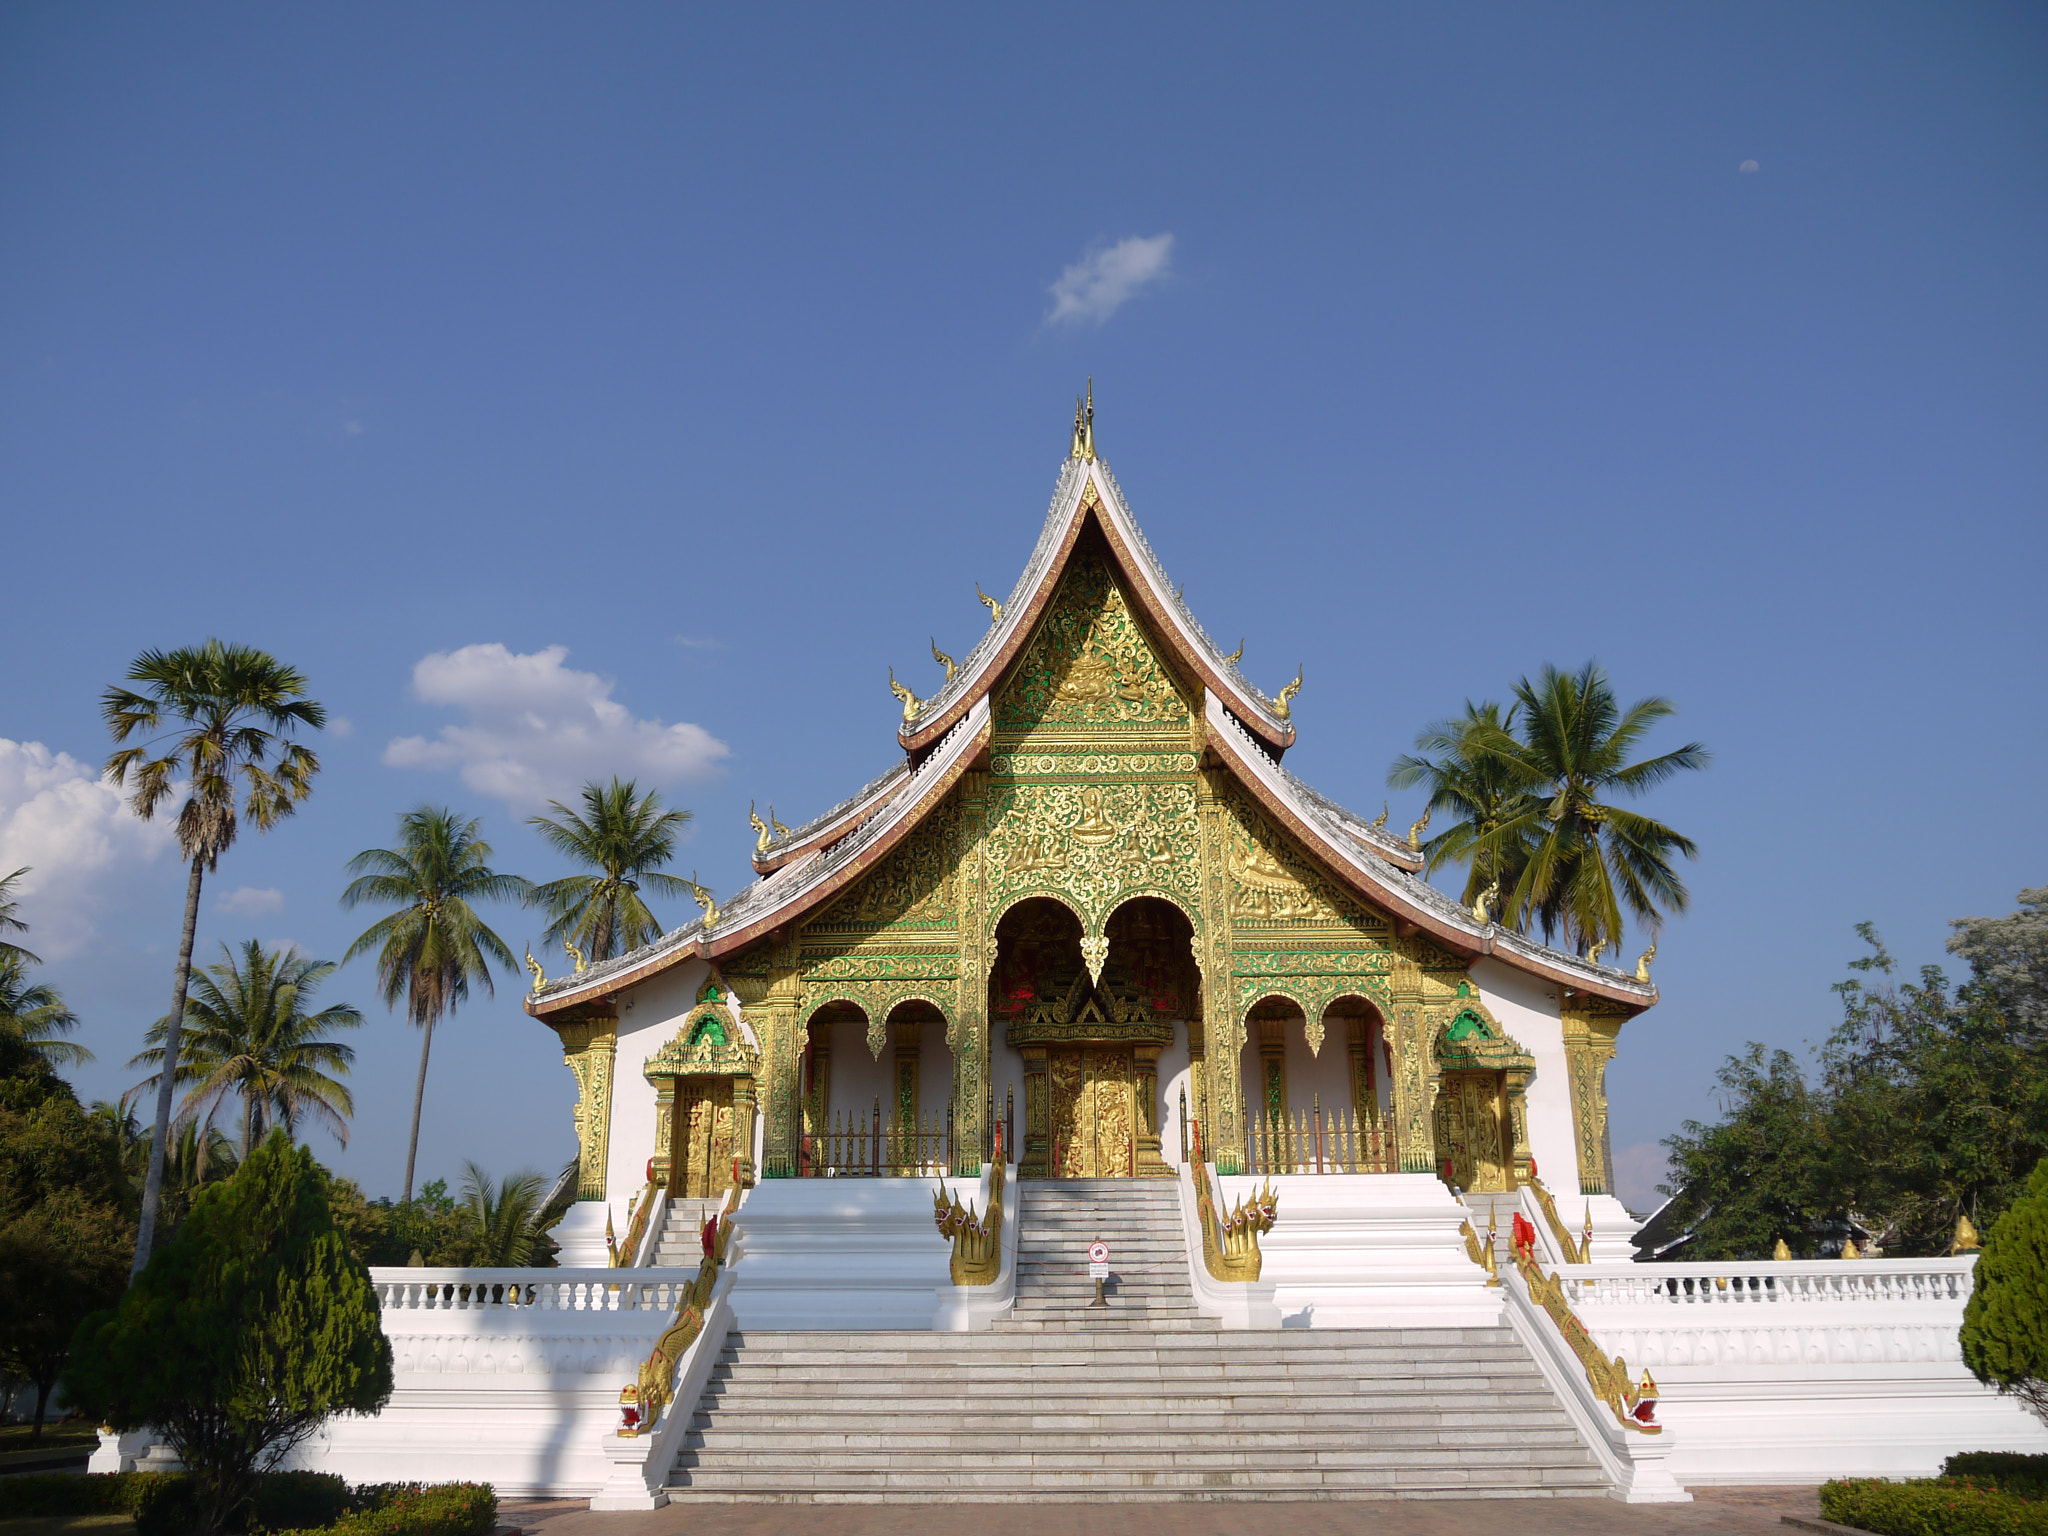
{"type": "Point", "coordinates": [2010, 1471]}
{"type": "Point", "coordinates": [247, 1331]}
{"type": "Point", "coordinates": [2005, 1324]}
{"type": "Point", "coordinates": [1930, 1508]}
{"type": "Point", "coordinates": [442, 1509]}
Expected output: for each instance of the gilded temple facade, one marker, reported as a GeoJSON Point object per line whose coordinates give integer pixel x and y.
{"type": "Point", "coordinates": [1089, 911]}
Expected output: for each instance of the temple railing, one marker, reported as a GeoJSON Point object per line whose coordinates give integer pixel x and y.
{"type": "Point", "coordinates": [849, 1148]}
{"type": "Point", "coordinates": [1317, 1140]}
{"type": "Point", "coordinates": [546, 1290]}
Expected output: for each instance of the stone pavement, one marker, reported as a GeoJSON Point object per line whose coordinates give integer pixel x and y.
{"type": "Point", "coordinates": [1713, 1512]}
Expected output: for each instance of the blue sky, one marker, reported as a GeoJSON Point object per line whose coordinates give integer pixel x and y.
{"type": "Point", "coordinates": [725, 350]}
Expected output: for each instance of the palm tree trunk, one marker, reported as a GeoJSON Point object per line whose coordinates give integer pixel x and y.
{"type": "Point", "coordinates": [419, 1094]}
{"type": "Point", "coordinates": [153, 1185]}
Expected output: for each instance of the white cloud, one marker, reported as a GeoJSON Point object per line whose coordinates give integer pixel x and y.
{"type": "Point", "coordinates": [1097, 285]}
{"type": "Point", "coordinates": [78, 838]}
{"type": "Point", "coordinates": [250, 901]}
{"type": "Point", "coordinates": [1748, 168]}
{"type": "Point", "coordinates": [537, 730]}
{"type": "Point", "coordinates": [340, 725]}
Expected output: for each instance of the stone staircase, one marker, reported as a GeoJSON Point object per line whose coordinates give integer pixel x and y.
{"type": "Point", "coordinates": [681, 1245]}
{"type": "Point", "coordinates": [1144, 1401]}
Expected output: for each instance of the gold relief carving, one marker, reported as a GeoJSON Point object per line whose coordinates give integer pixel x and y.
{"type": "Point", "coordinates": [1063, 838]}
{"type": "Point", "coordinates": [1272, 882]}
{"type": "Point", "coordinates": [913, 886]}
{"type": "Point", "coordinates": [1313, 1029]}
{"type": "Point", "coordinates": [1089, 661]}
{"type": "Point", "coordinates": [1592, 1027]}
{"type": "Point", "coordinates": [589, 1049]}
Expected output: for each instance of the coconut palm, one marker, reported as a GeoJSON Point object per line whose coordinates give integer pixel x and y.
{"type": "Point", "coordinates": [1587, 856]}
{"type": "Point", "coordinates": [36, 1016]}
{"type": "Point", "coordinates": [508, 1219]}
{"type": "Point", "coordinates": [249, 1036]}
{"type": "Point", "coordinates": [1484, 789]}
{"type": "Point", "coordinates": [626, 837]}
{"type": "Point", "coordinates": [218, 716]}
{"type": "Point", "coordinates": [9, 923]}
{"type": "Point", "coordinates": [434, 945]}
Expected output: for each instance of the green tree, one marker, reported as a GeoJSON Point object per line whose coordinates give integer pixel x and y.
{"type": "Point", "coordinates": [1754, 1178]}
{"type": "Point", "coordinates": [246, 1332]}
{"type": "Point", "coordinates": [2005, 1322]}
{"type": "Point", "coordinates": [9, 922]}
{"type": "Point", "coordinates": [219, 715]}
{"type": "Point", "coordinates": [625, 837]}
{"type": "Point", "coordinates": [66, 1230]}
{"type": "Point", "coordinates": [248, 1036]}
{"type": "Point", "coordinates": [509, 1221]}
{"type": "Point", "coordinates": [34, 1013]}
{"type": "Point", "coordinates": [1473, 779]}
{"type": "Point", "coordinates": [1588, 856]}
{"type": "Point", "coordinates": [2008, 957]}
{"type": "Point", "coordinates": [434, 946]}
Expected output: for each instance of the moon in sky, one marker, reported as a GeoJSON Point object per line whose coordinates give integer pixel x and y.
{"type": "Point", "coordinates": [1749, 167]}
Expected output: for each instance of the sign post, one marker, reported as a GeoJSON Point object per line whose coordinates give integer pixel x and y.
{"type": "Point", "coordinates": [1098, 1269]}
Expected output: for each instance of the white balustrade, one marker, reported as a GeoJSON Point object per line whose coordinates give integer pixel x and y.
{"type": "Point", "coordinates": [526, 1290]}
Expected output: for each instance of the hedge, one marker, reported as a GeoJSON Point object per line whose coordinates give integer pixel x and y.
{"type": "Point", "coordinates": [2012, 1471]}
{"type": "Point", "coordinates": [288, 1503]}
{"type": "Point", "coordinates": [1931, 1508]}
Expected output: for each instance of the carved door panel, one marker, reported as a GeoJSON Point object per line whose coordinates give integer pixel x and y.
{"type": "Point", "coordinates": [702, 1138]}
{"type": "Point", "coordinates": [1471, 1132]}
{"type": "Point", "coordinates": [1090, 1119]}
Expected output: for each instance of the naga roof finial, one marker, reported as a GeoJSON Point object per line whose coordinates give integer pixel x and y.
{"type": "Point", "coordinates": [944, 660]}
{"type": "Point", "coordinates": [1083, 446]}
{"type": "Point", "coordinates": [995, 609]}
{"type": "Point", "coordinates": [911, 702]}
{"type": "Point", "coordinates": [1643, 964]}
{"type": "Point", "coordinates": [703, 899]}
{"type": "Point", "coordinates": [780, 829]}
{"type": "Point", "coordinates": [1283, 706]}
{"type": "Point", "coordinates": [762, 836]}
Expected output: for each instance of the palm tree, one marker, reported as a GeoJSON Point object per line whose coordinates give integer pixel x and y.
{"type": "Point", "coordinates": [9, 923]}
{"type": "Point", "coordinates": [248, 1036]}
{"type": "Point", "coordinates": [1588, 857]}
{"type": "Point", "coordinates": [508, 1218]}
{"type": "Point", "coordinates": [434, 946]}
{"type": "Point", "coordinates": [626, 837]}
{"type": "Point", "coordinates": [35, 1014]}
{"type": "Point", "coordinates": [228, 709]}
{"type": "Point", "coordinates": [1483, 787]}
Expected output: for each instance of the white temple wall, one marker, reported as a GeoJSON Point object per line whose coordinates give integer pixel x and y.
{"type": "Point", "coordinates": [1006, 1072]}
{"type": "Point", "coordinates": [1528, 1010]}
{"type": "Point", "coordinates": [1174, 1079]}
{"type": "Point", "coordinates": [934, 1073]}
{"type": "Point", "coordinates": [1323, 1076]}
{"type": "Point", "coordinates": [859, 1079]}
{"type": "Point", "coordinates": [650, 1014]}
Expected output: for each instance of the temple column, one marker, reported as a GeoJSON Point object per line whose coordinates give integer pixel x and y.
{"type": "Point", "coordinates": [967, 1029]}
{"type": "Point", "coordinates": [1515, 1087]}
{"type": "Point", "coordinates": [1036, 1162]}
{"type": "Point", "coordinates": [1223, 1132]}
{"type": "Point", "coordinates": [1145, 1085]}
{"type": "Point", "coordinates": [589, 1048]}
{"type": "Point", "coordinates": [742, 1130]}
{"type": "Point", "coordinates": [818, 1103]}
{"type": "Point", "coordinates": [1590, 1038]}
{"type": "Point", "coordinates": [1414, 1082]}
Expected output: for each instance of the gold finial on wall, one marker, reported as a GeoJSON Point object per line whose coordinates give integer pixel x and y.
{"type": "Point", "coordinates": [911, 702]}
{"type": "Point", "coordinates": [1283, 706]}
{"type": "Point", "coordinates": [703, 899]}
{"type": "Point", "coordinates": [762, 836]}
{"type": "Point", "coordinates": [1780, 1254]}
{"type": "Point", "coordinates": [995, 609]}
{"type": "Point", "coordinates": [576, 957]}
{"type": "Point", "coordinates": [533, 965]}
{"type": "Point", "coordinates": [1235, 656]}
{"type": "Point", "coordinates": [1421, 826]}
{"type": "Point", "coordinates": [1966, 1239]}
{"type": "Point", "coordinates": [943, 659]}
{"type": "Point", "coordinates": [1643, 965]}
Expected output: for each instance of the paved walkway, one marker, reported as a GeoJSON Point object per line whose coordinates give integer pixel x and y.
{"type": "Point", "coordinates": [1713, 1512]}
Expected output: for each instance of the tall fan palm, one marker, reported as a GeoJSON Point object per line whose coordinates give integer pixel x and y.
{"type": "Point", "coordinates": [224, 713]}
{"type": "Point", "coordinates": [434, 946]}
{"type": "Point", "coordinates": [1588, 857]}
{"type": "Point", "coordinates": [1482, 787]}
{"type": "Point", "coordinates": [248, 1036]}
{"type": "Point", "coordinates": [626, 837]}
{"type": "Point", "coordinates": [35, 1013]}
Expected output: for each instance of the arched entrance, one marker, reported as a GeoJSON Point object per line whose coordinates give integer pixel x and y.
{"type": "Point", "coordinates": [1090, 1044]}
{"type": "Point", "coordinates": [704, 1097]}
{"type": "Point", "coordinates": [1480, 1121]}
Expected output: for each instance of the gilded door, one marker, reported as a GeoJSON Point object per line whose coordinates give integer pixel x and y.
{"type": "Point", "coordinates": [1470, 1130]}
{"type": "Point", "coordinates": [1091, 1120]}
{"type": "Point", "coordinates": [703, 1150]}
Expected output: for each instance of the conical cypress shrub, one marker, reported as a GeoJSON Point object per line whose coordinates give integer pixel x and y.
{"type": "Point", "coordinates": [2005, 1324]}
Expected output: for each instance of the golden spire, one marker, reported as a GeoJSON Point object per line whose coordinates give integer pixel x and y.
{"type": "Point", "coordinates": [995, 609]}
{"type": "Point", "coordinates": [943, 659]}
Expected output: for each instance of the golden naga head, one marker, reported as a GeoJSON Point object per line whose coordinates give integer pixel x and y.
{"type": "Point", "coordinates": [1283, 706]}
{"type": "Point", "coordinates": [762, 836]}
{"type": "Point", "coordinates": [911, 702]}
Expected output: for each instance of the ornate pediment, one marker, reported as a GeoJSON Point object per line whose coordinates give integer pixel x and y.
{"type": "Point", "coordinates": [1089, 663]}
{"type": "Point", "coordinates": [1473, 1037]}
{"type": "Point", "coordinates": [709, 1044]}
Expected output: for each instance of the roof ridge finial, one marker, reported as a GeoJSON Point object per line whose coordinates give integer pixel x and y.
{"type": "Point", "coordinates": [1088, 425]}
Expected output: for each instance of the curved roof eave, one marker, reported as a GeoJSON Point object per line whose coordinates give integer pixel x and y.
{"type": "Point", "coordinates": [831, 825]}
{"type": "Point", "coordinates": [1406, 896]}
{"type": "Point", "coordinates": [1165, 611]}
{"type": "Point", "coordinates": [798, 887]}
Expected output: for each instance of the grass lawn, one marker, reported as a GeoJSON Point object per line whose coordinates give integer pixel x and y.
{"type": "Point", "coordinates": [56, 1437]}
{"type": "Point", "coordinates": [52, 1525]}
